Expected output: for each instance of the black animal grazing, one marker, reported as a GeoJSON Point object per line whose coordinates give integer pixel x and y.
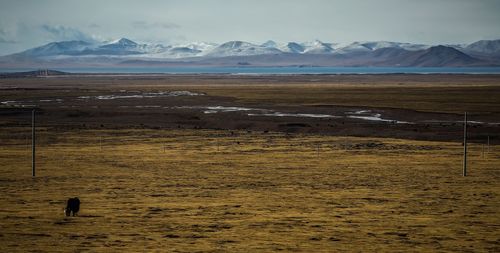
{"type": "Point", "coordinates": [72, 206]}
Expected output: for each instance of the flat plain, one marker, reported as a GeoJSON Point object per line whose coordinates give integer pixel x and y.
{"type": "Point", "coordinates": [196, 173]}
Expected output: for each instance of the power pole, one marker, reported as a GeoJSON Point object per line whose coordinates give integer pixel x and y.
{"type": "Point", "coordinates": [33, 137]}
{"type": "Point", "coordinates": [465, 146]}
{"type": "Point", "coordinates": [488, 144]}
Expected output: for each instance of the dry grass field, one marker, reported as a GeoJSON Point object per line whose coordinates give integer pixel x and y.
{"type": "Point", "coordinates": [221, 191]}
{"type": "Point", "coordinates": [161, 174]}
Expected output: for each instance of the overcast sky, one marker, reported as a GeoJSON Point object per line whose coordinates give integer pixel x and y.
{"type": "Point", "coordinates": [28, 23]}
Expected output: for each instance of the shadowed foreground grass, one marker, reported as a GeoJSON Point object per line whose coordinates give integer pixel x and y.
{"type": "Point", "coordinates": [210, 191]}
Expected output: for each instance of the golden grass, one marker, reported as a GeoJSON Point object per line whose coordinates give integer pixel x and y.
{"type": "Point", "coordinates": [210, 191]}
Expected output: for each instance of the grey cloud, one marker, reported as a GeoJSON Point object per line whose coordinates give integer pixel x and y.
{"type": "Point", "coordinates": [59, 32]}
{"type": "Point", "coordinates": [343, 21]}
{"type": "Point", "coordinates": [6, 41]}
{"type": "Point", "coordinates": [150, 25]}
{"type": "Point", "coordinates": [5, 38]}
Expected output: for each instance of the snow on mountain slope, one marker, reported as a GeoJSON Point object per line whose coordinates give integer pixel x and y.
{"type": "Point", "coordinates": [292, 47]}
{"type": "Point", "coordinates": [484, 47]}
{"type": "Point", "coordinates": [57, 48]}
{"type": "Point", "coordinates": [152, 48]}
{"type": "Point", "coordinates": [121, 43]}
{"type": "Point", "coordinates": [270, 43]}
{"type": "Point", "coordinates": [374, 45]}
{"type": "Point", "coordinates": [175, 52]}
{"type": "Point", "coordinates": [201, 46]}
{"type": "Point", "coordinates": [83, 48]}
{"type": "Point", "coordinates": [241, 48]}
{"type": "Point", "coordinates": [318, 47]}
{"type": "Point", "coordinates": [123, 47]}
{"type": "Point", "coordinates": [414, 47]}
{"type": "Point", "coordinates": [371, 53]}
{"type": "Point", "coordinates": [367, 46]}
{"type": "Point", "coordinates": [355, 47]}
{"type": "Point", "coordinates": [193, 49]}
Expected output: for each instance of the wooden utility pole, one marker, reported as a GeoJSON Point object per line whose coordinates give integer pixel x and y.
{"type": "Point", "coordinates": [27, 145]}
{"type": "Point", "coordinates": [488, 144]}
{"type": "Point", "coordinates": [465, 146]}
{"type": "Point", "coordinates": [33, 137]}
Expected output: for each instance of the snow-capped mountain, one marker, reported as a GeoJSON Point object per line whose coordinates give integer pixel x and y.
{"type": "Point", "coordinates": [292, 47]}
{"type": "Point", "coordinates": [270, 43]}
{"type": "Point", "coordinates": [73, 47]}
{"type": "Point", "coordinates": [201, 46]}
{"type": "Point", "coordinates": [318, 47]}
{"type": "Point", "coordinates": [313, 47]}
{"type": "Point", "coordinates": [124, 47]}
{"type": "Point", "coordinates": [241, 48]}
{"type": "Point", "coordinates": [374, 45]}
{"type": "Point", "coordinates": [122, 43]}
{"type": "Point", "coordinates": [360, 47]}
{"type": "Point", "coordinates": [314, 53]}
{"type": "Point", "coordinates": [355, 47]}
{"type": "Point", "coordinates": [120, 47]}
{"type": "Point", "coordinates": [485, 47]}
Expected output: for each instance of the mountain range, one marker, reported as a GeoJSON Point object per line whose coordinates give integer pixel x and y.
{"type": "Point", "coordinates": [125, 52]}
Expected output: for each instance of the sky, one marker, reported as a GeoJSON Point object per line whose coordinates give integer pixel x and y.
{"type": "Point", "coordinates": [28, 23]}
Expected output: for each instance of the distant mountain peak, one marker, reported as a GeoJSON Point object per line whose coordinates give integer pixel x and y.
{"type": "Point", "coordinates": [443, 56]}
{"type": "Point", "coordinates": [485, 47]}
{"type": "Point", "coordinates": [318, 47]}
{"type": "Point", "coordinates": [125, 42]}
{"type": "Point", "coordinates": [234, 43]}
{"type": "Point", "coordinates": [241, 48]}
{"type": "Point", "coordinates": [292, 47]}
{"type": "Point", "coordinates": [270, 43]}
{"type": "Point", "coordinates": [440, 49]}
{"type": "Point", "coordinates": [57, 48]}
